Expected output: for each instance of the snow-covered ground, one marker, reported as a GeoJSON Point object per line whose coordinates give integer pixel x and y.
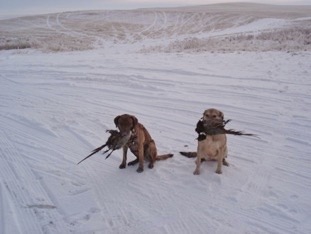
{"type": "Point", "coordinates": [55, 108]}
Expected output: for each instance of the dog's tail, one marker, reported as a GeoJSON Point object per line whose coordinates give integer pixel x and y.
{"type": "Point", "coordinates": [188, 154]}
{"type": "Point", "coordinates": [164, 156]}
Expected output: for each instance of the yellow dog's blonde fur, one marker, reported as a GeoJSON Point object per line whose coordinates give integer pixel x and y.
{"type": "Point", "coordinates": [213, 147]}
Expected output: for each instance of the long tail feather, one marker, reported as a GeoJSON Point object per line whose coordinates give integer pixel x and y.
{"type": "Point", "coordinates": [93, 152]}
{"type": "Point", "coordinates": [106, 151]}
{"type": "Point", "coordinates": [239, 133]}
{"type": "Point", "coordinates": [109, 154]}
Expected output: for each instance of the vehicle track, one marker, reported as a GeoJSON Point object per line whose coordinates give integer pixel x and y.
{"type": "Point", "coordinates": [29, 199]}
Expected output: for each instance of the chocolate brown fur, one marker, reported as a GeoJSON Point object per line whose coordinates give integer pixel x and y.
{"type": "Point", "coordinates": [141, 144]}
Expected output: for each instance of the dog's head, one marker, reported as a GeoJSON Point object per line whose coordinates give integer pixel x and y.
{"type": "Point", "coordinates": [125, 123]}
{"type": "Point", "coordinates": [213, 115]}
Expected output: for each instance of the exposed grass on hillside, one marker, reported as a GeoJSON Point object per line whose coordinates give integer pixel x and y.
{"type": "Point", "coordinates": [170, 30]}
{"type": "Point", "coordinates": [290, 39]}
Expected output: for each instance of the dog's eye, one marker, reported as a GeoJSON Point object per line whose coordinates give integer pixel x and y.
{"type": "Point", "coordinates": [214, 116]}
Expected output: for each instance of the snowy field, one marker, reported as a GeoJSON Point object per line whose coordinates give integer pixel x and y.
{"type": "Point", "coordinates": [165, 66]}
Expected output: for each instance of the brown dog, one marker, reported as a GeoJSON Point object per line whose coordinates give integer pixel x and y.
{"type": "Point", "coordinates": [213, 147]}
{"type": "Point", "coordinates": [141, 144]}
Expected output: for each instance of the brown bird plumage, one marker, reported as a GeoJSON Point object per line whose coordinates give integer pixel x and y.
{"type": "Point", "coordinates": [114, 142]}
{"type": "Point", "coordinates": [207, 128]}
{"type": "Point", "coordinates": [217, 127]}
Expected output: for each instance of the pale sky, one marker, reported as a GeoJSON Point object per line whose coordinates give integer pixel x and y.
{"type": "Point", "coordinates": [45, 6]}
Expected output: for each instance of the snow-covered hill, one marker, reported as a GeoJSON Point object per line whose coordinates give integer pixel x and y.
{"type": "Point", "coordinates": [55, 108]}
{"type": "Point", "coordinates": [219, 27]}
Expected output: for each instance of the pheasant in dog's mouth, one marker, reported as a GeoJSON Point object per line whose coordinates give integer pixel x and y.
{"type": "Point", "coordinates": [114, 142]}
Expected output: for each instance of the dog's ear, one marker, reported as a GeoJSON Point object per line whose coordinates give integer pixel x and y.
{"type": "Point", "coordinates": [221, 115]}
{"type": "Point", "coordinates": [135, 120]}
{"type": "Point", "coordinates": [116, 120]}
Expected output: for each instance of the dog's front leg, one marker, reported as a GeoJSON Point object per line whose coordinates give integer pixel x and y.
{"type": "Point", "coordinates": [220, 158]}
{"type": "Point", "coordinates": [123, 164]}
{"type": "Point", "coordinates": [198, 164]}
{"type": "Point", "coordinates": [140, 158]}
{"type": "Point", "coordinates": [224, 161]}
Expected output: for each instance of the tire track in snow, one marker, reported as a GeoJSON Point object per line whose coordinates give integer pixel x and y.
{"type": "Point", "coordinates": [42, 177]}
{"type": "Point", "coordinates": [108, 198]}
{"type": "Point", "coordinates": [70, 31]}
{"type": "Point", "coordinates": [26, 132]}
{"type": "Point", "coordinates": [48, 23]}
{"type": "Point", "coordinates": [55, 25]}
{"type": "Point", "coordinates": [162, 22]}
{"type": "Point", "coordinates": [18, 181]}
{"type": "Point", "coordinates": [76, 32]}
{"type": "Point", "coordinates": [183, 27]}
{"type": "Point", "coordinates": [148, 30]}
{"type": "Point", "coordinates": [8, 220]}
{"type": "Point", "coordinates": [176, 24]}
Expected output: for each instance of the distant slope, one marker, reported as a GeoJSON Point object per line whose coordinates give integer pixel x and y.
{"type": "Point", "coordinates": [216, 27]}
{"type": "Point", "coordinates": [263, 10]}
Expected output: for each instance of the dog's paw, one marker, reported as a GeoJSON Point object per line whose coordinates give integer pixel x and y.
{"type": "Point", "coordinates": [225, 163]}
{"type": "Point", "coordinates": [150, 166]}
{"type": "Point", "coordinates": [196, 172]}
{"type": "Point", "coordinates": [218, 171]}
{"type": "Point", "coordinates": [122, 166]}
{"type": "Point", "coordinates": [140, 170]}
{"type": "Point", "coordinates": [132, 163]}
